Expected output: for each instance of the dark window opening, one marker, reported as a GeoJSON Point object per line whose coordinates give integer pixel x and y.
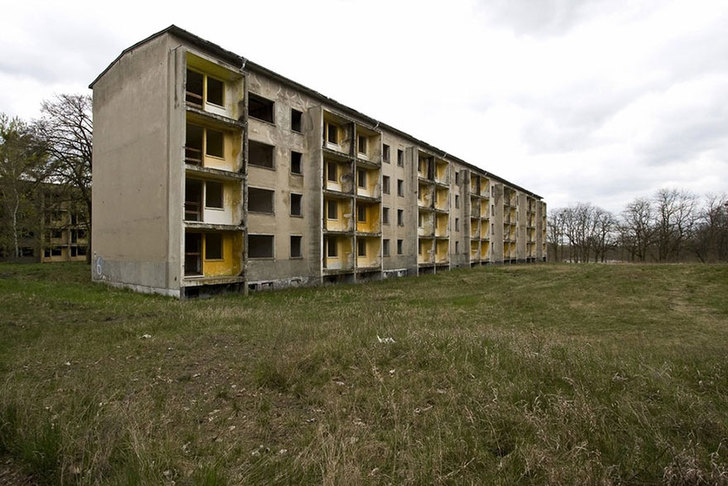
{"type": "Point", "coordinates": [260, 108]}
{"type": "Point", "coordinates": [74, 236]}
{"type": "Point", "coordinates": [457, 247]}
{"type": "Point", "coordinates": [400, 158]}
{"type": "Point", "coordinates": [361, 248]}
{"type": "Point", "coordinates": [332, 133]}
{"type": "Point", "coordinates": [400, 187]}
{"type": "Point", "coordinates": [81, 251]}
{"type": "Point", "coordinates": [215, 91]}
{"type": "Point", "coordinates": [56, 251]}
{"type": "Point", "coordinates": [296, 167]}
{"type": "Point", "coordinates": [400, 245]}
{"type": "Point", "coordinates": [362, 144]}
{"type": "Point", "coordinates": [457, 177]}
{"type": "Point", "coordinates": [194, 88]}
{"type": "Point", "coordinates": [385, 215]}
{"type": "Point", "coordinates": [331, 171]}
{"type": "Point", "coordinates": [385, 184]}
{"type": "Point", "coordinates": [193, 145]}
{"type": "Point", "coordinates": [457, 201]}
{"type": "Point", "coordinates": [260, 200]}
{"type": "Point", "coordinates": [213, 246]}
{"type": "Point", "coordinates": [385, 248]}
{"type": "Point", "coordinates": [260, 154]}
{"type": "Point", "coordinates": [193, 253]}
{"type": "Point", "coordinates": [457, 224]}
{"type": "Point", "coordinates": [385, 153]}
{"type": "Point", "coordinates": [215, 143]}
{"type": "Point", "coordinates": [193, 200]}
{"type": "Point", "coordinates": [332, 210]}
{"type": "Point", "coordinates": [361, 178]}
{"type": "Point", "coordinates": [296, 247]}
{"type": "Point", "coordinates": [214, 193]}
{"type": "Point", "coordinates": [296, 120]}
{"type": "Point", "coordinates": [400, 217]}
{"type": "Point", "coordinates": [260, 246]}
{"type": "Point", "coordinates": [331, 248]}
{"type": "Point", "coordinates": [361, 214]}
{"type": "Point", "coordinates": [296, 204]}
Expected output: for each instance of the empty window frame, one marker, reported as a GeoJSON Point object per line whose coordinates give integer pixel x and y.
{"type": "Point", "coordinates": [361, 248]}
{"type": "Point", "coordinates": [202, 88]}
{"type": "Point", "coordinates": [296, 120]}
{"type": "Point", "coordinates": [420, 220]}
{"type": "Point", "coordinates": [260, 246]}
{"type": "Point", "coordinates": [361, 214]}
{"type": "Point", "coordinates": [362, 144]}
{"type": "Point", "coordinates": [214, 195]}
{"type": "Point", "coordinates": [457, 201]}
{"type": "Point", "coordinates": [213, 246]}
{"type": "Point", "coordinates": [214, 143]}
{"type": "Point", "coordinates": [400, 217]}
{"type": "Point", "coordinates": [296, 246]}
{"type": "Point", "coordinates": [296, 204]}
{"type": "Point", "coordinates": [400, 247]}
{"type": "Point", "coordinates": [400, 158]}
{"type": "Point", "coordinates": [332, 249]}
{"type": "Point", "coordinates": [400, 187]}
{"type": "Point", "coordinates": [385, 247]}
{"type": "Point", "coordinates": [457, 177]}
{"type": "Point", "coordinates": [385, 153]}
{"type": "Point", "coordinates": [260, 200]}
{"type": "Point", "coordinates": [332, 209]}
{"type": "Point", "coordinates": [260, 154]}
{"type": "Point", "coordinates": [457, 224]}
{"type": "Point", "coordinates": [385, 215]}
{"type": "Point", "coordinates": [361, 178]}
{"type": "Point", "coordinates": [331, 171]}
{"type": "Point", "coordinates": [260, 108]}
{"type": "Point", "coordinates": [332, 133]}
{"type": "Point", "coordinates": [296, 167]}
{"type": "Point", "coordinates": [193, 253]}
{"type": "Point", "coordinates": [385, 184]}
{"type": "Point", "coordinates": [457, 247]}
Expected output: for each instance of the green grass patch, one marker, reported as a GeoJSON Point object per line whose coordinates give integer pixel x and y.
{"type": "Point", "coordinates": [534, 374]}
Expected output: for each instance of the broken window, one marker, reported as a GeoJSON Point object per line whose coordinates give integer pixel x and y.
{"type": "Point", "coordinates": [385, 248]}
{"type": "Point", "coordinates": [296, 163]}
{"type": "Point", "coordinates": [215, 143]}
{"type": "Point", "coordinates": [385, 153]}
{"type": "Point", "coordinates": [260, 246]}
{"type": "Point", "coordinates": [193, 144]}
{"type": "Point", "coordinates": [195, 83]}
{"type": "Point", "coordinates": [193, 253]}
{"type": "Point", "coordinates": [193, 200]}
{"type": "Point", "coordinates": [361, 178]}
{"type": "Point", "coordinates": [400, 158]}
{"type": "Point", "coordinates": [213, 246]}
{"type": "Point", "coordinates": [361, 214]}
{"type": "Point", "coordinates": [296, 246]}
{"type": "Point", "coordinates": [260, 200]}
{"type": "Point", "coordinates": [400, 245]}
{"type": "Point", "coordinates": [260, 108]}
{"type": "Point", "coordinates": [296, 204]}
{"type": "Point", "coordinates": [385, 215]}
{"type": "Point", "coordinates": [215, 91]}
{"type": "Point", "coordinates": [332, 210]}
{"type": "Point", "coordinates": [296, 120]}
{"type": "Point", "coordinates": [400, 187]}
{"type": "Point", "coordinates": [214, 195]}
{"type": "Point", "coordinates": [361, 248]}
{"type": "Point", "coordinates": [332, 133]}
{"type": "Point", "coordinates": [331, 247]}
{"type": "Point", "coordinates": [385, 184]}
{"type": "Point", "coordinates": [331, 171]}
{"type": "Point", "coordinates": [457, 201]}
{"type": "Point", "coordinates": [362, 144]}
{"type": "Point", "coordinates": [260, 154]}
{"type": "Point", "coordinates": [400, 217]}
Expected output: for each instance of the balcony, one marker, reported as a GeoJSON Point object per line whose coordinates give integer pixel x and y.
{"type": "Point", "coordinates": [367, 253]}
{"type": "Point", "coordinates": [474, 251]}
{"type": "Point", "coordinates": [367, 183]}
{"type": "Point", "coordinates": [484, 187]}
{"type": "Point", "coordinates": [425, 224]}
{"type": "Point", "coordinates": [424, 196]}
{"type": "Point", "coordinates": [442, 199]}
{"type": "Point", "coordinates": [367, 218]}
{"type": "Point", "coordinates": [442, 229]}
{"type": "Point", "coordinates": [442, 172]}
{"type": "Point", "coordinates": [442, 252]}
{"type": "Point", "coordinates": [212, 147]}
{"type": "Point", "coordinates": [338, 254]}
{"type": "Point", "coordinates": [213, 202]}
{"type": "Point", "coordinates": [339, 177]}
{"type": "Point", "coordinates": [484, 250]}
{"type": "Point", "coordinates": [213, 254]}
{"type": "Point", "coordinates": [212, 89]}
{"type": "Point", "coordinates": [474, 228]}
{"type": "Point", "coordinates": [339, 216]}
{"type": "Point", "coordinates": [425, 252]}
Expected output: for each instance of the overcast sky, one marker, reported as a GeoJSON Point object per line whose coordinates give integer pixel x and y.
{"type": "Point", "coordinates": [596, 101]}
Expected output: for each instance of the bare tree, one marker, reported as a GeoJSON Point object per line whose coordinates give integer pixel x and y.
{"type": "Point", "coordinates": [711, 235]}
{"type": "Point", "coordinates": [67, 131]}
{"type": "Point", "coordinates": [21, 170]}
{"type": "Point", "coordinates": [556, 234]}
{"type": "Point", "coordinates": [638, 228]}
{"type": "Point", "coordinates": [675, 213]}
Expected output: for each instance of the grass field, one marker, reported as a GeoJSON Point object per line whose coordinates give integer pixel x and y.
{"type": "Point", "coordinates": [540, 374]}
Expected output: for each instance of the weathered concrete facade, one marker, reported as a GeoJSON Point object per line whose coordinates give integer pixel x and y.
{"type": "Point", "coordinates": [213, 172]}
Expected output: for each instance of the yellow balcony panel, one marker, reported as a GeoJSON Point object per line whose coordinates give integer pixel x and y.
{"type": "Point", "coordinates": [339, 176]}
{"type": "Point", "coordinates": [474, 227]}
{"type": "Point", "coordinates": [484, 250]}
{"type": "Point", "coordinates": [425, 251]}
{"type": "Point", "coordinates": [441, 225]}
{"type": "Point", "coordinates": [212, 147]}
{"type": "Point", "coordinates": [213, 254]}
{"type": "Point", "coordinates": [339, 216]}
{"type": "Point", "coordinates": [213, 88]}
{"type": "Point", "coordinates": [367, 253]}
{"type": "Point", "coordinates": [367, 218]}
{"type": "Point", "coordinates": [338, 254]}
{"type": "Point", "coordinates": [425, 223]}
{"type": "Point", "coordinates": [475, 207]}
{"type": "Point", "coordinates": [337, 133]}
{"type": "Point", "coordinates": [484, 207]}
{"type": "Point", "coordinates": [442, 172]}
{"type": "Point", "coordinates": [474, 250]}
{"type": "Point", "coordinates": [367, 183]}
{"type": "Point", "coordinates": [424, 195]}
{"type": "Point", "coordinates": [442, 199]}
{"type": "Point", "coordinates": [423, 167]}
{"type": "Point", "coordinates": [475, 184]}
{"type": "Point", "coordinates": [484, 187]}
{"type": "Point", "coordinates": [442, 251]}
{"type": "Point", "coordinates": [484, 231]}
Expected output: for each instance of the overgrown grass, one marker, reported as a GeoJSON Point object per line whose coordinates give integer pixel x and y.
{"type": "Point", "coordinates": [505, 375]}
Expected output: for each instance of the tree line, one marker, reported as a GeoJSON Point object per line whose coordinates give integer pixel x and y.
{"type": "Point", "coordinates": [53, 149]}
{"type": "Point", "coordinates": [672, 225]}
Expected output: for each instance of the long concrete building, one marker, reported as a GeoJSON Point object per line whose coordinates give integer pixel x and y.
{"type": "Point", "coordinates": [214, 173]}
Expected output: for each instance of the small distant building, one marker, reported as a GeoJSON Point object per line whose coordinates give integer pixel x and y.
{"type": "Point", "coordinates": [212, 173]}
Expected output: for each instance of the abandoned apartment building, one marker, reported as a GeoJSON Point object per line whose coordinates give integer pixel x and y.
{"type": "Point", "coordinates": [212, 172]}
